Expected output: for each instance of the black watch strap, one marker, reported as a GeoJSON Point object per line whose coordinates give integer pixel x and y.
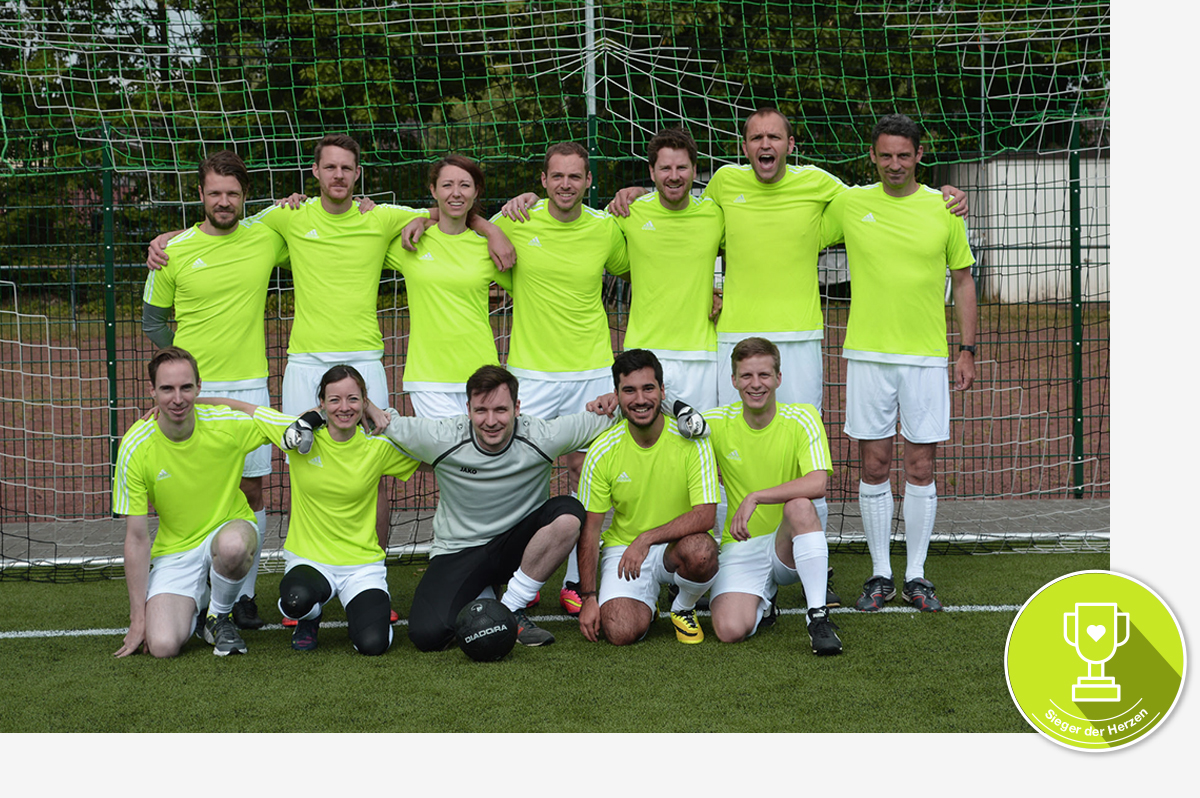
{"type": "Point", "coordinates": [965, 348]}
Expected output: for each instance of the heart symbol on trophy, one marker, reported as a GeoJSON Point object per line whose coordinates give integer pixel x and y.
{"type": "Point", "coordinates": [1096, 632]}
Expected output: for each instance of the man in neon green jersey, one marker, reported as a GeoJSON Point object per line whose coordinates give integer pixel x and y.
{"type": "Point", "coordinates": [216, 281]}
{"type": "Point", "coordinates": [187, 462]}
{"type": "Point", "coordinates": [900, 241]}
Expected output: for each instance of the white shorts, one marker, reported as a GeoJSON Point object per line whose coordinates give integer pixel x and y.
{"type": "Point", "coordinates": [876, 391]}
{"type": "Point", "coordinates": [435, 404]}
{"type": "Point", "coordinates": [752, 566]}
{"type": "Point", "coordinates": [646, 587]}
{"type": "Point", "coordinates": [347, 581]}
{"type": "Point", "coordinates": [694, 382]}
{"type": "Point", "coordinates": [185, 573]}
{"type": "Point", "coordinates": [258, 462]}
{"type": "Point", "coordinates": [302, 379]}
{"type": "Point", "coordinates": [801, 369]}
{"type": "Point", "coordinates": [553, 398]}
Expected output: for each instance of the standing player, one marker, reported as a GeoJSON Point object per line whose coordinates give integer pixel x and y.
{"type": "Point", "coordinates": [447, 278]}
{"type": "Point", "coordinates": [662, 490]}
{"type": "Point", "coordinates": [899, 241]}
{"type": "Point", "coordinates": [495, 521]}
{"type": "Point", "coordinates": [217, 284]}
{"type": "Point", "coordinates": [187, 462]}
{"type": "Point", "coordinates": [673, 240]}
{"type": "Point", "coordinates": [774, 460]}
{"type": "Point", "coordinates": [561, 347]}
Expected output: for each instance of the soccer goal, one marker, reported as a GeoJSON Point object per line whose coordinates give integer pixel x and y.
{"type": "Point", "coordinates": [107, 108]}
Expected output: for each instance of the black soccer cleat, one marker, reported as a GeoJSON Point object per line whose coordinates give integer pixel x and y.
{"type": "Point", "coordinates": [245, 614]}
{"type": "Point", "coordinates": [821, 634]}
{"type": "Point", "coordinates": [877, 591]}
{"type": "Point", "coordinates": [919, 593]}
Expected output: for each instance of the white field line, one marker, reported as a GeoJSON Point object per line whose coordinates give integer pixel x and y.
{"type": "Point", "coordinates": [46, 633]}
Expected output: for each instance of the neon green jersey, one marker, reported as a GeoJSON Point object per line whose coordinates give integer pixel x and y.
{"type": "Point", "coordinates": [672, 257]}
{"type": "Point", "coordinates": [898, 250]}
{"type": "Point", "coordinates": [218, 287]}
{"type": "Point", "coordinates": [194, 485]}
{"type": "Point", "coordinates": [559, 321]}
{"type": "Point", "coordinates": [335, 488]}
{"type": "Point", "coordinates": [792, 445]}
{"type": "Point", "coordinates": [772, 238]}
{"type": "Point", "coordinates": [447, 281]}
{"type": "Point", "coordinates": [337, 260]}
{"type": "Point", "coordinates": [646, 488]}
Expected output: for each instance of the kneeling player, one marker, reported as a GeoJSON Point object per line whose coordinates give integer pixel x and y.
{"type": "Point", "coordinates": [331, 548]}
{"type": "Point", "coordinates": [774, 459]}
{"type": "Point", "coordinates": [663, 491]}
{"type": "Point", "coordinates": [187, 462]}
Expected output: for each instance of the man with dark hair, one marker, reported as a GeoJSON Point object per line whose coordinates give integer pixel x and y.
{"type": "Point", "coordinates": [673, 239]}
{"type": "Point", "coordinates": [900, 241]}
{"type": "Point", "coordinates": [216, 281]}
{"type": "Point", "coordinates": [561, 346]}
{"type": "Point", "coordinates": [774, 461]}
{"type": "Point", "coordinates": [186, 461]}
{"type": "Point", "coordinates": [495, 520]}
{"type": "Point", "coordinates": [662, 491]}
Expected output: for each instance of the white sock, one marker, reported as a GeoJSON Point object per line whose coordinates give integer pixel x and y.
{"type": "Point", "coordinates": [822, 508]}
{"type": "Point", "coordinates": [247, 588]}
{"type": "Point", "coordinates": [876, 505]}
{"type": "Point", "coordinates": [919, 510]}
{"type": "Point", "coordinates": [224, 593]}
{"type": "Point", "coordinates": [521, 590]}
{"type": "Point", "coordinates": [689, 593]}
{"type": "Point", "coordinates": [572, 574]}
{"type": "Point", "coordinates": [811, 553]}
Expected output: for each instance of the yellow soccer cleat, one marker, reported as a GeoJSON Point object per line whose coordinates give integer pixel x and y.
{"type": "Point", "coordinates": [687, 628]}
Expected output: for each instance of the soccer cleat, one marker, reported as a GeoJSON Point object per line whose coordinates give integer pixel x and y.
{"type": "Point", "coordinates": [304, 636]}
{"type": "Point", "coordinates": [245, 614]}
{"type": "Point", "coordinates": [394, 617]}
{"type": "Point", "coordinates": [877, 591]}
{"type": "Point", "coordinates": [570, 599]}
{"type": "Point", "coordinates": [821, 634]}
{"type": "Point", "coordinates": [772, 615]}
{"type": "Point", "coordinates": [832, 599]}
{"type": "Point", "coordinates": [529, 633]}
{"type": "Point", "coordinates": [687, 628]}
{"type": "Point", "coordinates": [919, 593]}
{"type": "Point", "coordinates": [222, 635]}
{"type": "Point", "coordinates": [287, 622]}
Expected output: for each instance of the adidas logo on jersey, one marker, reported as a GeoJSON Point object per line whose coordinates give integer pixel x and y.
{"type": "Point", "coordinates": [734, 456]}
{"type": "Point", "coordinates": [740, 198]}
{"type": "Point", "coordinates": [649, 226]}
{"type": "Point", "coordinates": [426, 256]}
{"type": "Point", "coordinates": [316, 461]}
{"type": "Point", "coordinates": [312, 233]}
{"type": "Point", "coordinates": [199, 264]}
{"type": "Point", "coordinates": [533, 242]}
{"type": "Point", "coordinates": [162, 475]}
{"type": "Point", "coordinates": [870, 217]}
{"type": "Point", "coordinates": [624, 478]}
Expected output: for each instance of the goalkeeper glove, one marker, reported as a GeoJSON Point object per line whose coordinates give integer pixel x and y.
{"type": "Point", "coordinates": [299, 434]}
{"type": "Point", "coordinates": [691, 424]}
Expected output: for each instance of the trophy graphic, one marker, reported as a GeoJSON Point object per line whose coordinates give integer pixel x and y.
{"type": "Point", "coordinates": [1092, 631]}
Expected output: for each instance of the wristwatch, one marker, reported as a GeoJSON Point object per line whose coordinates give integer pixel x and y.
{"type": "Point", "coordinates": [965, 348]}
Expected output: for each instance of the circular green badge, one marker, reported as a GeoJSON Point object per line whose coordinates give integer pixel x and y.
{"type": "Point", "coordinates": [1095, 660]}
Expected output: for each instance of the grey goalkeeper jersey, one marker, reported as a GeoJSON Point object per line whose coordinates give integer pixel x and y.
{"type": "Point", "coordinates": [483, 494]}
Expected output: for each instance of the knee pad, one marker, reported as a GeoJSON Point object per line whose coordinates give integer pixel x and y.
{"type": "Point", "coordinates": [369, 618]}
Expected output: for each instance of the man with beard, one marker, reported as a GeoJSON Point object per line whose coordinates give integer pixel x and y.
{"type": "Point", "coordinates": [216, 281]}
{"type": "Point", "coordinates": [662, 490]}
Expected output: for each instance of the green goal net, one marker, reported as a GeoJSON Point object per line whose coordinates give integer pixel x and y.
{"type": "Point", "coordinates": [108, 107]}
